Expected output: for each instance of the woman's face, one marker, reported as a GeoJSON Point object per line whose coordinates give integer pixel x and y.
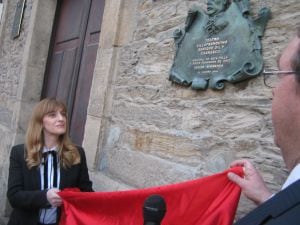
{"type": "Point", "coordinates": [54, 123]}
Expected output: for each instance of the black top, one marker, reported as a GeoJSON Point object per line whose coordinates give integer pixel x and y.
{"type": "Point", "coordinates": [24, 186]}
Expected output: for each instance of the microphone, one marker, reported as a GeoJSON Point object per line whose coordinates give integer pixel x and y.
{"type": "Point", "coordinates": [154, 210]}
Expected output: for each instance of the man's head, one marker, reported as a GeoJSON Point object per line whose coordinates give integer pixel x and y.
{"type": "Point", "coordinates": [286, 104]}
{"type": "Point", "coordinates": [216, 6]}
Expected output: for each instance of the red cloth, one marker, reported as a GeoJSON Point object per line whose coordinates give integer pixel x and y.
{"type": "Point", "coordinates": [210, 200]}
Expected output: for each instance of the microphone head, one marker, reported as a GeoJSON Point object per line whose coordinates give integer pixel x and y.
{"type": "Point", "coordinates": [154, 209]}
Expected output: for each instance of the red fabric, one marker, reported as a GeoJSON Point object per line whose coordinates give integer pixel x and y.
{"type": "Point", "coordinates": [210, 200]}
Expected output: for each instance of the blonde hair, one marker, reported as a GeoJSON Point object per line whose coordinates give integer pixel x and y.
{"type": "Point", "coordinates": [68, 152]}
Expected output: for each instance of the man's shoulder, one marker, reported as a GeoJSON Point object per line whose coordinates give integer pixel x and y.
{"type": "Point", "coordinates": [283, 208]}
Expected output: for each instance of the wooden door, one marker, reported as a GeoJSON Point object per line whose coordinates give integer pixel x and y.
{"type": "Point", "coordinates": [72, 58]}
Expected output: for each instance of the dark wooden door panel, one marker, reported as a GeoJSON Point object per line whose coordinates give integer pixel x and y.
{"type": "Point", "coordinates": [71, 62]}
{"type": "Point", "coordinates": [82, 96]}
{"type": "Point", "coordinates": [96, 16]}
{"type": "Point", "coordinates": [51, 88]}
{"type": "Point", "coordinates": [67, 76]}
{"type": "Point", "coordinates": [86, 71]}
{"type": "Point", "coordinates": [67, 46]}
{"type": "Point", "coordinates": [72, 19]}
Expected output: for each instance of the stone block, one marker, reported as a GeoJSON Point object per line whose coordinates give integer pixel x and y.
{"type": "Point", "coordinates": [142, 170]}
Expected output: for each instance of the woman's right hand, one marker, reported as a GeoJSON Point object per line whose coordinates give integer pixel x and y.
{"type": "Point", "coordinates": [252, 184]}
{"type": "Point", "coordinates": [53, 198]}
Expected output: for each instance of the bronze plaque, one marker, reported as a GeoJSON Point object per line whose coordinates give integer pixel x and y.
{"type": "Point", "coordinates": [222, 44]}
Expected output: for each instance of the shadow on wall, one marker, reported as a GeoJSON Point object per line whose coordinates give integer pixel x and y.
{"type": "Point", "coordinates": [1, 9]}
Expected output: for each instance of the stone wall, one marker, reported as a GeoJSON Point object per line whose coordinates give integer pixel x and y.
{"type": "Point", "coordinates": [11, 54]}
{"type": "Point", "coordinates": [153, 132]}
{"type": "Point", "coordinates": [22, 65]}
{"type": "Point", "coordinates": [141, 129]}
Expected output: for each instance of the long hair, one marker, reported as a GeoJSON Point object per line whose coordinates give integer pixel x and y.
{"type": "Point", "coordinates": [34, 143]}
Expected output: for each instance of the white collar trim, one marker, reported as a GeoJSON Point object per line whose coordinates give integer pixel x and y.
{"type": "Point", "coordinates": [294, 176]}
{"type": "Point", "coordinates": [45, 149]}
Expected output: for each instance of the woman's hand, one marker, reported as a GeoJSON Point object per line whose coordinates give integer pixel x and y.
{"type": "Point", "coordinates": [53, 198]}
{"type": "Point", "coordinates": [252, 185]}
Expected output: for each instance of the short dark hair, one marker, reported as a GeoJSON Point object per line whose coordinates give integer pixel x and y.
{"type": "Point", "coordinates": [296, 59]}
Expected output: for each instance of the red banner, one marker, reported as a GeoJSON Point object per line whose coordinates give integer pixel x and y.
{"type": "Point", "coordinates": [210, 200]}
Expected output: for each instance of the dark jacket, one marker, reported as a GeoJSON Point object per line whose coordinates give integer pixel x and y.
{"type": "Point", "coordinates": [282, 209]}
{"type": "Point", "coordinates": [24, 186]}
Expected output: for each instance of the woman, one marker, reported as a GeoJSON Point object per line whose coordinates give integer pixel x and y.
{"type": "Point", "coordinates": [47, 163]}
